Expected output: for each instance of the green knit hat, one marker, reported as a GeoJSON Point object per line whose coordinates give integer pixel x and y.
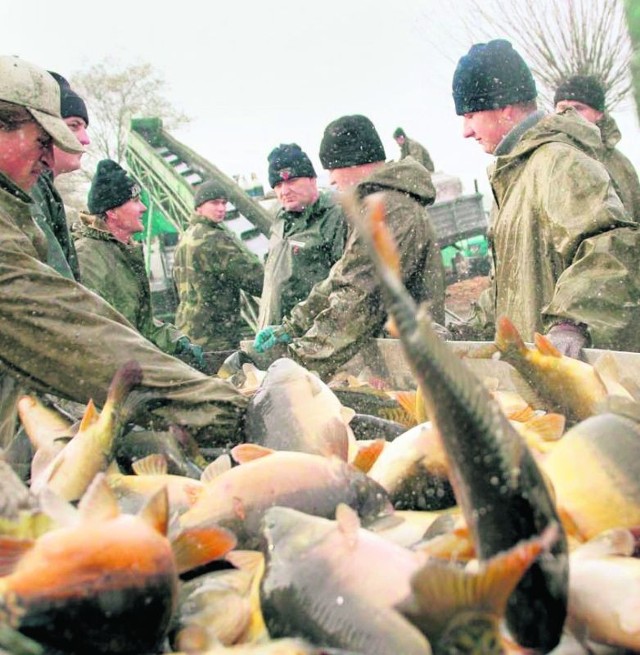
{"type": "Point", "coordinates": [350, 141]}
{"type": "Point", "coordinates": [398, 132]}
{"type": "Point", "coordinates": [111, 187]}
{"type": "Point", "coordinates": [490, 76]}
{"type": "Point", "coordinates": [209, 190]}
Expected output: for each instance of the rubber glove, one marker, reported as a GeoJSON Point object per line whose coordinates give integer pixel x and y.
{"type": "Point", "coordinates": [568, 338]}
{"type": "Point", "coordinates": [270, 336]}
{"type": "Point", "coordinates": [191, 353]}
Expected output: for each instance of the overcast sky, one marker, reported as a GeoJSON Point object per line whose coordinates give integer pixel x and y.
{"type": "Point", "coordinates": [252, 74]}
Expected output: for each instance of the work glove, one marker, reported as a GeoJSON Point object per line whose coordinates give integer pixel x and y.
{"type": "Point", "coordinates": [191, 354]}
{"type": "Point", "coordinates": [568, 338]}
{"type": "Point", "coordinates": [269, 337]}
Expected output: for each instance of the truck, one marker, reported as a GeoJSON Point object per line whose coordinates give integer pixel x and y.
{"type": "Point", "coordinates": [170, 172]}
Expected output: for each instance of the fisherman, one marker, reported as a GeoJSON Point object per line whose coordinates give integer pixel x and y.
{"type": "Point", "coordinates": [586, 95]}
{"type": "Point", "coordinates": [345, 311]}
{"type": "Point", "coordinates": [211, 267]}
{"type": "Point", "coordinates": [565, 251]}
{"type": "Point", "coordinates": [307, 236]}
{"type": "Point", "coordinates": [411, 148]}
{"type": "Point", "coordinates": [112, 263]}
{"type": "Point", "coordinates": [55, 335]}
{"type": "Point", "coordinates": [48, 209]}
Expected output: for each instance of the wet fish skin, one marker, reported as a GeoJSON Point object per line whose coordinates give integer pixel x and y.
{"type": "Point", "coordinates": [325, 581]}
{"type": "Point", "coordinates": [238, 498]}
{"type": "Point", "coordinates": [497, 482]}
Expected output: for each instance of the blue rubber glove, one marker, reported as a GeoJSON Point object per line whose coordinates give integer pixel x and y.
{"type": "Point", "coordinates": [191, 353]}
{"type": "Point", "coordinates": [269, 337]}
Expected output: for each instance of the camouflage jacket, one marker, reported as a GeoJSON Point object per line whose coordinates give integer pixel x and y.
{"type": "Point", "coordinates": [346, 309]}
{"type": "Point", "coordinates": [49, 213]}
{"type": "Point", "coordinates": [58, 337]}
{"type": "Point", "coordinates": [563, 246]}
{"type": "Point", "coordinates": [411, 148]}
{"type": "Point", "coordinates": [116, 272]}
{"type": "Point", "coordinates": [211, 267]}
{"type": "Point", "coordinates": [621, 170]}
{"type": "Point", "coordinates": [302, 249]}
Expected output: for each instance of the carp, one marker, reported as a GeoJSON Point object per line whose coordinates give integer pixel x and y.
{"type": "Point", "coordinates": [293, 409]}
{"type": "Point", "coordinates": [335, 584]}
{"type": "Point", "coordinates": [103, 582]}
{"type": "Point", "coordinates": [238, 498]}
{"type": "Point", "coordinates": [69, 473]}
{"type": "Point", "coordinates": [496, 480]}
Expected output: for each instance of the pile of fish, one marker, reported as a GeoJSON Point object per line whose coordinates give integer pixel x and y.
{"type": "Point", "coordinates": [473, 523]}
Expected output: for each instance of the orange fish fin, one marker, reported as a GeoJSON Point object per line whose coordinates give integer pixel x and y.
{"type": "Point", "coordinates": [367, 455]}
{"type": "Point", "coordinates": [154, 464]}
{"type": "Point", "coordinates": [220, 465]}
{"type": "Point", "coordinates": [156, 511]}
{"type": "Point", "coordinates": [246, 452]}
{"type": "Point", "coordinates": [522, 415]}
{"type": "Point", "coordinates": [545, 346]}
{"type": "Point", "coordinates": [334, 438]}
{"type": "Point", "coordinates": [89, 417]}
{"type": "Point", "coordinates": [348, 523]}
{"type": "Point", "coordinates": [11, 552]}
{"type": "Point", "coordinates": [391, 327]}
{"type": "Point", "coordinates": [407, 400]}
{"type": "Point", "coordinates": [507, 336]}
{"type": "Point", "coordinates": [98, 502]}
{"type": "Point", "coordinates": [199, 545]}
{"type": "Point", "coordinates": [382, 238]}
{"type": "Point", "coordinates": [549, 427]}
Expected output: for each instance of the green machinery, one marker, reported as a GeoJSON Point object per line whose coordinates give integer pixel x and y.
{"type": "Point", "coordinates": [170, 172]}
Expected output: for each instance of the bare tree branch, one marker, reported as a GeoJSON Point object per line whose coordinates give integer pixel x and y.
{"type": "Point", "coordinates": [561, 38]}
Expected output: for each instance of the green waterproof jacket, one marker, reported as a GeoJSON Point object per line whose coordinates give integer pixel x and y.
{"type": "Point", "coordinates": [564, 248]}
{"type": "Point", "coordinates": [49, 213]}
{"type": "Point", "coordinates": [346, 309]}
{"type": "Point", "coordinates": [211, 267]}
{"type": "Point", "coordinates": [58, 337]}
{"type": "Point", "coordinates": [621, 170]}
{"type": "Point", "coordinates": [302, 249]}
{"type": "Point", "coordinates": [411, 148]}
{"type": "Point", "coordinates": [116, 272]}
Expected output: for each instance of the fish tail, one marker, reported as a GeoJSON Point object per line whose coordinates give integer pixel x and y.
{"type": "Point", "coordinates": [119, 407]}
{"type": "Point", "coordinates": [442, 591]}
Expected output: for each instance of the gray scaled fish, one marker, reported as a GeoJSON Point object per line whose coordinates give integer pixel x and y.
{"type": "Point", "coordinates": [496, 481]}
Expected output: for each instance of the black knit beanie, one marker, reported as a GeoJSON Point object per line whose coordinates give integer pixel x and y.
{"type": "Point", "coordinates": [71, 104]}
{"type": "Point", "coordinates": [287, 162]}
{"type": "Point", "coordinates": [490, 76]}
{"type": "Point", "coordinates": [350, 141]}
{"type": "Point", "coordinates": [209, 190]}
{"type": "Point", "coordinates": [111, 187]}
{"type": "Point", "coordinates": [581, 88]}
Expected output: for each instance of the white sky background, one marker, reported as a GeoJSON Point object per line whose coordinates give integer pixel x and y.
{"type": "Point", "coordinates": [255, 73]}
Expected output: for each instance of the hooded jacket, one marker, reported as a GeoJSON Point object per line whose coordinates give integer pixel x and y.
{"type": "Point", "coordinates": [116, 272]}
{"type": "Point", "coordinates": [50, 215]}
{"type": "Point", "coordinates": [211, 267]}
{"type": "Point", "coordinates": [58, 337]}
{"type": "Point", "coordinates": [302, 249]}
{"type": "Point", "coordinates": [346, 309]}
{"type": "Point", "coordinates": [564, 249]}
{"type": "Point", "coordinates": [622, 172]}
{"type": "Point", "coordinates": [411, 148]}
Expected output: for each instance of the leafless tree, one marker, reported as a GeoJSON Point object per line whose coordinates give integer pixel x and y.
{"type": "Point", "coordinates": [116, 94]}
{"type": "Point", "coordinates": [561, 38]}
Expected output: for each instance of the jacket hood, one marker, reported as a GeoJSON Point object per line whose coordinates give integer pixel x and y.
{"type": "Point", "coordinates": [406, 176]}
{"type": "Point", "coordinates": [567, 127]}
{"type": "Point", "coordinates": [609, 131]}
